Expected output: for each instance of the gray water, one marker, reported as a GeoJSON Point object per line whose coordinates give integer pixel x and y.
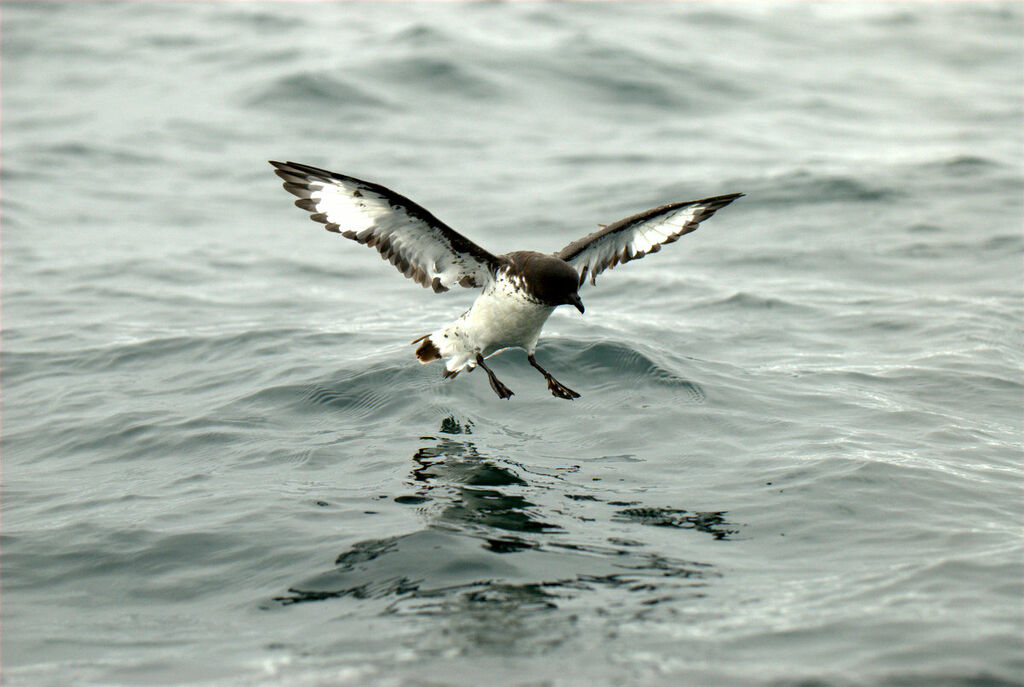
{"type": "Point", "coordinates": [797, 455]}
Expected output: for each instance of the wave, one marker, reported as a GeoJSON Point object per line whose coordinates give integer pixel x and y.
{"type": "Point", "coordinates": [431, 74]}
{"type": "Point", "coordinates": [314, 89]}
{"type": "Point", "coordinates": [423, 35]}
{"type": "Point", "coordinates": [157, 350]}
{"type": "Point", "coordinates": [623, 365]}
{"type": "Point", "coordinates": [805, 187]}
{"type": "Point", "coordinates": [471, 567]}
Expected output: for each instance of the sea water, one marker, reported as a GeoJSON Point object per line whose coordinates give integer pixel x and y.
{"type": "Point", "coordinates": [797, 454]}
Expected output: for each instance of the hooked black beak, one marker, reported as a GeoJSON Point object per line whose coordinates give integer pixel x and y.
{"type": "Point", "coordinates": [575, 300]}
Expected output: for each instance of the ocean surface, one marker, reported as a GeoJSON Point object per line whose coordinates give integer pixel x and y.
{"type": "Point", "coordinates": [797, 457]}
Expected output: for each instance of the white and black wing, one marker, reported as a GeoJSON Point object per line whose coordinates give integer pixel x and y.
{"type": "Point", "coordinates": [634, 237]}
{"type": "Point", "coordinates": [421, 246]}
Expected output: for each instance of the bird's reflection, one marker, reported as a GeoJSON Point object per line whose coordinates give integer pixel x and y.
{"type": "Point", "coordinates": [488, 548]}
{"type": "Point", "coordinates": [474, 489]}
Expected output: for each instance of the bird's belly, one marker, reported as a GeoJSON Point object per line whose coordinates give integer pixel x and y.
{"type": "Point", "coordinates": [499, 321]}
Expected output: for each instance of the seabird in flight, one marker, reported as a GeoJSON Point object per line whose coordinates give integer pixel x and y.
{"type": "Point", "coordinates": [519, 289]}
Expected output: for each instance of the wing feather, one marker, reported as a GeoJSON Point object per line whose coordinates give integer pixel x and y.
{"type": "Point", "coordinates": [638, 235]}
{"type": "Point", "coordinates": [405, 234]}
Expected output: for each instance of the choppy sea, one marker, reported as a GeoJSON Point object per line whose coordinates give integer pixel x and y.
{"type": "Point", "coordinates": [797, 457]}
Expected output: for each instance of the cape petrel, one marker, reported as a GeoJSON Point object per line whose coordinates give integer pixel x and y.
{"type": "Point", "coordinates": [519, 289]}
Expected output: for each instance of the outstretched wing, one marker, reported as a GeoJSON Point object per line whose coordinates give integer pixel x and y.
{"type": "Point", "coordinates": [634, 237]}
{"type": "Point", "coordinates": [421, 246]}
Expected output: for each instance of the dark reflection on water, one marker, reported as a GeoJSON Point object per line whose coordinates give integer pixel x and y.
{"type": "Point", "coordinates": [476, 481]}
{"type": "Point", "coordinates": [713, 523]}
{"type": "Point", "coordinates": [489, 548]}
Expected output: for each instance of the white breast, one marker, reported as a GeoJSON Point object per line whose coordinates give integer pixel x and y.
{"type": "Point", "coordinates": [501, 317]}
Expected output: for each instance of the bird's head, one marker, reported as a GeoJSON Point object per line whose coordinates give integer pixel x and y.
{"type": "Point", "coordinates": [556, 282]}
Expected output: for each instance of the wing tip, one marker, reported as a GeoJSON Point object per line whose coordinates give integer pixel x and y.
{"type": "Point", "coordinates": [723, 200]}
{"type": "Point", "coordinates": [298, 169]}
{"type": "Point", "coordinates": [709, 206]}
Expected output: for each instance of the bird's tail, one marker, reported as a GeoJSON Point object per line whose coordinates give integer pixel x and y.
{"type": "Point", "coordinates": [459, 357]}
{"type": "Point", "coordinates": [427, 351]}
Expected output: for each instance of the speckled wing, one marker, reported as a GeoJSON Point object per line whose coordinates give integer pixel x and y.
{"type": "Point", "coordinates": [634, 237]}
{"type": "Point", "coordinates": [421, 246]}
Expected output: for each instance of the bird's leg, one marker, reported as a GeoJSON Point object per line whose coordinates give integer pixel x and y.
{"type": "Point", "coordinates": [499, 388]}
{"type": "Point", "coordinates": [556, 387]}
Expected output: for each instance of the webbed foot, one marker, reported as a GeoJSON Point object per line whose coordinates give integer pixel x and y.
{"type": "Point", "coordinates": [556, 387]}
{"type": "Point", "coordinates": [499, 388]}
{"type": "Point", "coordinates": [560, 390]}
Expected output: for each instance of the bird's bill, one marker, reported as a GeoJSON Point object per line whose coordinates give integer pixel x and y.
{"type": "Point", "coordinates": [575, 300]}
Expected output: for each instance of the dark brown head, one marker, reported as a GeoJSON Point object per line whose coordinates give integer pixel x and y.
{"type": "Point", "coordinates": [550, 280]}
